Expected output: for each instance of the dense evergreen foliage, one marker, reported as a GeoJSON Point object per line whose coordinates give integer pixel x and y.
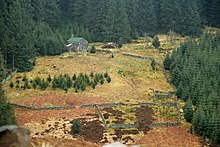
{"type": "Point", "coordinates": [63, 82]}
{"type": "Point", "coordinates": [3, 71]}
{"type": "Point", "coordinates": [40, 27]}
{"type": "Point", "coordinates": [156, 42]}
{"type": "Point", "coordinates": [7, 116]}
{"type": "Point", "coordinates": [195, 69]}
{"type": "Point", "coordinates": [188, 111]}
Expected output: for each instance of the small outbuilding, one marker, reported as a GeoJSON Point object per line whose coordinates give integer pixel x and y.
{"type": "Point", "coordinates": [76, 44]}
{"type": "Point", "coordinates": [109, 45]}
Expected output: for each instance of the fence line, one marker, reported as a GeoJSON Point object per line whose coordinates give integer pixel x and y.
{"type": "Point", "coordinates": [178, 110]}
{"type": "Point", "coordinates": [167, 124]}
{"type": "Point", "coordinates": [101, 115]}
{"type": "Point", "coordinates": [95, 105]}
{"type": "Point", "coordinates": [9, 77]}
{"type": "Point", "coordinates": [158, 94]}
{"type": "Point", "coordinates": [38, 109]}
{"type": "Point", "coordinates": [123, 126]}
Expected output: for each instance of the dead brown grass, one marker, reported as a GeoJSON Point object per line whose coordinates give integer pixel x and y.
{"type": "Point", "coordinates": [170, 137]}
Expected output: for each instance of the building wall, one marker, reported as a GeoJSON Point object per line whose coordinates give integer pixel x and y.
{"type": "Point", "coordinates": [79, 46]}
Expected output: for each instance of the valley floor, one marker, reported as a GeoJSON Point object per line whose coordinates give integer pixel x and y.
{"type": "Point", "coordinates": [133, 81]}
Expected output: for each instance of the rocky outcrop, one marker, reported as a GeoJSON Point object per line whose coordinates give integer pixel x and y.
{"type": "Point", "coordinates": [14, 136]}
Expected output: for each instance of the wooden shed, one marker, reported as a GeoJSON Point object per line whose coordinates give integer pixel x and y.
{"type": "Point", "coordinates": [76, 44]}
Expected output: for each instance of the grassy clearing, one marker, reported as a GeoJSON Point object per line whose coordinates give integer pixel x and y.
{"type": "Point", "coordinates": [132, 79]}
{"type": "Point", "coordinates": [165, 114]}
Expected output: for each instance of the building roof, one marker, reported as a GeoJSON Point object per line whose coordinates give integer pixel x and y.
{"type": "Point", "coordinates": [74, 39]}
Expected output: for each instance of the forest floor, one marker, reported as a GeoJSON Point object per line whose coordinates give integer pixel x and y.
{"type": "Point", "coordinates": [133, 81]}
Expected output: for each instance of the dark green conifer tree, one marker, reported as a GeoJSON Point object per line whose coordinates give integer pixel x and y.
{"type": "Point", "coordinates": [215, 13]}
{"type": "Point", "coordinates": [37, 10]}
{"type": "Point", "coordinates": [6, 111]}
{"type": "Point", "coordinates": [156, 42]}
{"type": "Point", "coordinates": [52, 13]}
{"type": "Point", "coordinates": [146, 17]}
{"type": "Point", "coordinates": [188, 111]}
{"type": "Point", "coordinates": [20, 25]}
{"type": "Point", "coordinates": [132, 12]}
{"type": "Point", "coordinates": [121, 26]}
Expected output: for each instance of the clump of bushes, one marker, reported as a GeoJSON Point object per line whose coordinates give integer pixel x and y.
{"type": "Point", "coordinates": [76, 127]}
{"type": "Point", "coordinates": [64, 82]}
{"type": "Point", "coordinates": [153, 65]}
{"type": "Point", "coordinates": [93, 50]}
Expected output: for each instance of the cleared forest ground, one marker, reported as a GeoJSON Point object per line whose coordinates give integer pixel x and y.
{"type": "Point", "coordinates": [133, 81]}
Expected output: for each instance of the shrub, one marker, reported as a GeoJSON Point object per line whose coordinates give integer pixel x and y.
{"type": "Point", "coordinates": [112, 56]}
{"type": "Point", "coordinates": [76, 127]}
{"type": "Point", "coordinates": [93, 85]}
{"type": "Point", "coordinates": [76, 90]}
{"type": "Point", "coordinates": [34, 84]}
{"type": "Point", "coordinates": [37, 80]}
{"type": "Point", "coordinates": [106, 75]}
{"type": "Point", "coordinates": [24, 78]}
{"type": "Point", "coordinates": [63, 84]}
{"type": "Point", "coordinates": [108, 79]}
{"type": "Point", "coordinates": [156, 42]}
{"type": "Point", "coordinates": [26, 84]}
{"type": "Point", "coordinates": [49, 79]}
{"type": "Point", "coordinates": [120, 45]}
{"type": "Point", "coordinates": [95, 82]}
{"type": "Point", "coordinates": [93, 50]}
{"type": "Point", "coordinates": [66, 89]}
{"type": "Point", "coordinates": [43, 85]}
{"type": "Point", "coordinates": [96, 78]}
{"type": "Point", "coordinates": [74, 77]}
{"type": "Point", "coordinates": [153, 64]}
{"type": "Point", "coordinates": [86, 79]}
{"type": "Point", "coordinates": [68, 82]}
{"type": "Point", "coordinates": [17, 86]}
{"type": "Point", "coordinates": [11, 84]}
{"type": "Point", "coordinates": [54, 85]}
{"type": "Point", "coordinates": [102, 81]}
{"type": "Point", "coordinates": [167, 62]}
{"type": "Point", "coordinates": [83, 86]}
{"type": "Point", "coordinates": [17, 81]}
{"type": "Point", "coordinates": [91, 74]}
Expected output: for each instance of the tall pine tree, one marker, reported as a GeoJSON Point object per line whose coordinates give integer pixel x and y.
{"type": "Point", "coordinates": [20, 35]}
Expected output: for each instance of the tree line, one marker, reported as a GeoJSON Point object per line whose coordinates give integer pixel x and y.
{"type": "Point", "coordinates": [194, 69]}
{"type": "Point", "coordinates": [29, 28]}
{"type": "Point", "coordinates": [63, 82]}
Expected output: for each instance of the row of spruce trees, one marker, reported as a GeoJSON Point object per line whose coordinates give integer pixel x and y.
{"type": "Point", "coordinates": [29, 28]}
{"type": "Point", "coordinates": [195, 68]}
{"type": "Point", "coordinates": [64, 82]}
